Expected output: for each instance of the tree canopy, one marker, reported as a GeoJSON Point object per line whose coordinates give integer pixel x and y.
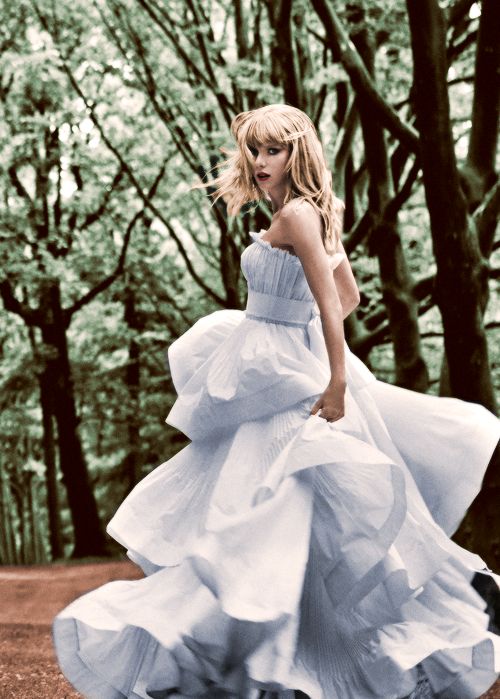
{"type": "Point", "coordinates": [111, 111]}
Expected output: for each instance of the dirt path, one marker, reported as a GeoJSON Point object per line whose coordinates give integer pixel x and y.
{"type": "Point", "coordinates": [30, 598]}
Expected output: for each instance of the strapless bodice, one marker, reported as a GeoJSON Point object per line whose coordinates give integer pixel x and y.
{"type": "Point", "coordinates": [278, 290]}
{"type": "Point", "coordinates": [275, 271]}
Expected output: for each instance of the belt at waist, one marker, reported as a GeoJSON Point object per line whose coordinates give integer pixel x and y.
{"type": "Point", "coordinates": [278, 309]}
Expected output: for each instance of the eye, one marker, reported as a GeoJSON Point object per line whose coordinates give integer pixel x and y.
{"type": "Point", "coordinates": [273, 151]}
{"type": "Point", "coordinates": [252, 150]}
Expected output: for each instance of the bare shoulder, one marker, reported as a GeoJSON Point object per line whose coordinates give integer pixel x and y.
{"type": "Point", "coordinates": [299, 209]}
{"type": "Point", "coordinates": [302, 221]}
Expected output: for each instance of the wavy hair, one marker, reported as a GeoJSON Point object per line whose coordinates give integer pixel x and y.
{"type": "Point", "coordinates": [308, 174]}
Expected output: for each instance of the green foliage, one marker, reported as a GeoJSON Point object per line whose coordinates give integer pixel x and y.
{"type": "Point", "coordinates": [95, 99]}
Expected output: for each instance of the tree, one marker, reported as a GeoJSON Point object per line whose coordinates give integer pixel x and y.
{"type": "Point", "coordinates": [53, 235]}
{"type": "Point", "coordinates": [455, 243]}
{"type": "Point", "coordinates": [118, 107]}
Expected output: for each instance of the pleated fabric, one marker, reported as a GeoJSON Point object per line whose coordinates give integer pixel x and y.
{"type": "Point", "coordinates": [282, 552]}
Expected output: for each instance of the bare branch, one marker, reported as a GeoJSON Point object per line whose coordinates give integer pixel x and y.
{"type": "Point", "coordinates": [226, 108]}
{"type": "Point", "coordinates": [359, 231]}
{"type": "Point", "coordinates": [107, 281]}
{"type": "Point", "coordinates": [12, 304]}
{"type": "Point", "coordinates": [17, 184]}
{"type": "Point", "coordinates": [189, 265]}
{"type": "Point", "coordinates": [95, 215]}
{"type": "Point", "coordinates": [458, 11]}
{"type": "Point", "coordinates": [127, 169]}
{"type": "Point", "coordinates": [422, 291]}
{"type": "Point", "coordinates": [241, 27]}
{"type": "Point", "coordinates": [345, 51]}
{"type": "Point", "coordinates": [454, 50]}
{"type": "Point", "coordinates": [149, 85]}
{"type": "Point", "coordinates": [486, 219]}
{"type": "Point", "coordinates": [344, 140]}
{"type": "Point", "coordinates": [404, 193]}
{"type": "Point", "coordinates": [483, 138]}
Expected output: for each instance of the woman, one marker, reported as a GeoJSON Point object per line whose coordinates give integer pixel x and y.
{"type": "Point", "coordinates": [300, 543]}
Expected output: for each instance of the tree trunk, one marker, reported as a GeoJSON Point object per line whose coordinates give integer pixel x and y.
{"type": "Point", "coordinates": [88, 535]}
{"type": "Point", "coordinates": [480, 165]}
{"type": "Point", "coordinates": [46, 400]}
{"type": "Point", "coordinates": [385, 241]}
{"type": "Point", "coordinates": [478, 173]}
{"type": "Point", "coordinates": [132, 465]}
{"type": "Point", "coordinates": [480, 532]}
{"type": "Point", "coordinates": [282, 50]}
{"type": "Point", "coordinates": [17, 499]}
{"type": "Point", "coordinates": [8, 549]}
{"type": "Point", "coordinates": [229, 268]}
{"type": "Point", "coordinates": [461, 276]}
{"type": "Point", "coordinates": [350, 214]}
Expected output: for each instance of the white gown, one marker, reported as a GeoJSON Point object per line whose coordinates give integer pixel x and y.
{"type": "Point", "coordinates": [283, 552]}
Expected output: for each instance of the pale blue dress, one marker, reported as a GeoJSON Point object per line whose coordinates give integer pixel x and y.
{"type": "Point", "coordinates": [283, 552]}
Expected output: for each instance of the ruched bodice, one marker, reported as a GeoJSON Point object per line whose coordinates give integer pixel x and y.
{"type": "Point", "coordinates": [275, 271]}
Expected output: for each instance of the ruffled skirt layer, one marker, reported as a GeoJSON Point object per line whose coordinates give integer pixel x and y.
{"type": "Point", "coordinates": [286, 553]}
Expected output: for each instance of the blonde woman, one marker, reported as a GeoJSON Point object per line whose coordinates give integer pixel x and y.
{"type": "Point", "coordinates": [300, 544]}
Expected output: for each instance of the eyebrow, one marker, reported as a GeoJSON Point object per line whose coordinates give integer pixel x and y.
{"type": "Point", "coordinates": [271, 144]}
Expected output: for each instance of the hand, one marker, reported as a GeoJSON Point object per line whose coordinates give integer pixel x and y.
{"type": "Point", "coordinates": [331, 403]}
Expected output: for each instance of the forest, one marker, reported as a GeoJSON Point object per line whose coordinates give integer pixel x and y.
{"type": "Point", "coordinates": [110, 112]}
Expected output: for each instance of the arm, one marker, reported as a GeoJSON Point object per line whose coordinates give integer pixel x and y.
{"type": "Point", "coordinates": [346, 285]}
{"type": "Point", "coordinates": [304, 233]}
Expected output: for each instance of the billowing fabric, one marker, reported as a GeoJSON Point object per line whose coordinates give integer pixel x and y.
{"type": "Point", "coordinates": [282, 552]}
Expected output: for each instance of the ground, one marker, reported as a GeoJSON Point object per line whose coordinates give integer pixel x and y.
{"type": "Point", "coordinates": [31, 596]}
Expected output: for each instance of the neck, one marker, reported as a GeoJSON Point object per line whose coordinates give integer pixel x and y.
{"type": "Point", "coordinates": [277, 198]}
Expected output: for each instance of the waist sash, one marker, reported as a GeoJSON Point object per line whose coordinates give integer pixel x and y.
{"type": "Point", "coordinates": [278, 309]}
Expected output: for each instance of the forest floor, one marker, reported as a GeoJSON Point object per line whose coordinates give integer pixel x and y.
{"type": "Point", "coordinates": [31, 596]}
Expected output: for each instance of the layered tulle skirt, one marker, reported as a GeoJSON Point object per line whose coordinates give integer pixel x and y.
{"type": "Point", "coordinates": [284, 553]}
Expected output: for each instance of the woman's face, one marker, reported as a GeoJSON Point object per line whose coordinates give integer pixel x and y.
{"type": "Point", "coordinates": [269, 162]}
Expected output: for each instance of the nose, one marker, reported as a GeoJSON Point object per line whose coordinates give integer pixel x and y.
{"type": "Point", "coordinates": [260, 160]}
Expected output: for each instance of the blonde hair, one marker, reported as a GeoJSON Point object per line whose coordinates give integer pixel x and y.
{"type": "Point", "coordinates": [308, 173]}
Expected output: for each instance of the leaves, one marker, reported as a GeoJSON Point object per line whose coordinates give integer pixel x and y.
{"type": "Point", "coordinates": [109, 112]}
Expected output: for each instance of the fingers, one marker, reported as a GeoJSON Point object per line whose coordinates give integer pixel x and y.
{"type": "Point", "coordinates": [334, 417]}
{"type": "Point", "coordinates": [326, 413]}
{"type": "Point", "coordinates": [329, 418]}
{"type": "Point", "coordinates": [316, 407]}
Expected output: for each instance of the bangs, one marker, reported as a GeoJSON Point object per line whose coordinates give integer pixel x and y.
{"type": "Point", "coordinates": [308, 176]}
{"type": "Point", "coordinates": [271, 128]}
{"type": "Point", "coordinates": [261, 131]}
